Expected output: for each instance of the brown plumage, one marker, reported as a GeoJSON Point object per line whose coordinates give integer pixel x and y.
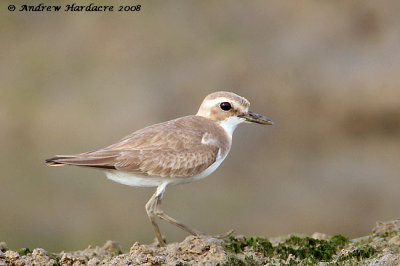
{"type": "Point", "coordinates": [172, 148]}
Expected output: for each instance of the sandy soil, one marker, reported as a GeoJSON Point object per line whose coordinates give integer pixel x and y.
{"type": "Point", "coordinates": [384, 241]}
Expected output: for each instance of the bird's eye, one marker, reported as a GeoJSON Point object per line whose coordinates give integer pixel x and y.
{"type": "Point", "coordinates": [225, 106]}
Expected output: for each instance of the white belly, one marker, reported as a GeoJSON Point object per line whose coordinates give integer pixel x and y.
{"type": "Point", "coordinates": [141, 180]}
{"type": "Point", "coordinates": [134, 179]}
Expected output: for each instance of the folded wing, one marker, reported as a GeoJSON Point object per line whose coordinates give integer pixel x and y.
{"type": "Point", "coordinates": [173, 148]}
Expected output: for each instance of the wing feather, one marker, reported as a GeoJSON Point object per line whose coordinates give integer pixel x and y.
{"type": "Point", "coordinates": [165, 162]}
{"type": "Point", "coordinates": [173, 148]}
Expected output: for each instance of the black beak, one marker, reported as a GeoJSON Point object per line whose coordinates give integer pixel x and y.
{"type": "Point", "coordinates": [256, 118]}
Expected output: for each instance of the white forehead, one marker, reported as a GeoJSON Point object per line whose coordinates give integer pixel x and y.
{"type": "Point", "coordinates": [243, 105]}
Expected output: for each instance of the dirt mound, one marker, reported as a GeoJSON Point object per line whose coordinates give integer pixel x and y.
{"type": "Point", "coordinates": [382, 247]}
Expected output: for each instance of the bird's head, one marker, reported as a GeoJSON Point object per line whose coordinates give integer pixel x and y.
{"type": "Point", "coordinates": [229, 110]}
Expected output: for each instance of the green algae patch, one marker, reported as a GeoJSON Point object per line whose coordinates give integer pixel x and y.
{"type": "Point", "coordinates": [24, 251]}
{"type": "Point", "coordinates": [258, 244]}
{"type": "Point", "coordinates": [56, 258]}
{"type": "Point", "coordinates": [295, 249]}
{"type": "Point", "coordinates": [381, 247]}
{"type": "Point", "coordinates": [359, 254]}
{"type": "Point", "coordinates": [312, 249]}
{"type": "Point", "coordinates": [181, 264]}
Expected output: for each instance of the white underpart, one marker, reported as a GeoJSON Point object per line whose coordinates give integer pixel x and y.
{"type": "Point", "coordinates": [230, 123]}
{"type": "Point", "coordinates": [143, 180]}
{"type": "Point", "coordinates": [134, 179]}
{"type": "Point", "coordinates": [209, 170]}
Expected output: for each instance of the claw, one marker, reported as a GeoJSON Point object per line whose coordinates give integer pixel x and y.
{"type": "Point", "coordinates": [227, 234]}
{"type": "Point", "coordinates": [220, 236]}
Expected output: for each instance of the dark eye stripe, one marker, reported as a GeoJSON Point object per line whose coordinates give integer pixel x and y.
{"type": "Point", "coordinates": [225, 106]}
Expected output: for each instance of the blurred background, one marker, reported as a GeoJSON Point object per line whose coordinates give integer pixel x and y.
{"type": "Point", "coordinates": [326, 72]}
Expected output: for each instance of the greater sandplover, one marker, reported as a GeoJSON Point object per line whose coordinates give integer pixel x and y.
{"type": "Point", "coordinates": [178, 151]}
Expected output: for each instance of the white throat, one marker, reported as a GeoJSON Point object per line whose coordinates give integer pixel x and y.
{"type": "Point", "coordinates": [230, 123]}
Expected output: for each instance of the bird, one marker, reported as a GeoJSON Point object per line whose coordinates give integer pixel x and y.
{"type": "Point", "coordinates": [178, 151]}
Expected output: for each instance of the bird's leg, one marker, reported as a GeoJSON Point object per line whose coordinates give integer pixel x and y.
{"type": "Point", "coordinates": [192, 231]}
{"type": "Point", "coordinates": [160, 213]}
{"type": "Point", "coordinates": [151, 207]}
{"type": "Point", "coordinates": [153, 210]}
{"type": "Point", "coordinates": [171, 220]}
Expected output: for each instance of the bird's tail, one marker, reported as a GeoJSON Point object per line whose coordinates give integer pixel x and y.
{"type": "Point", "coordinates": [85, 159]}
{"type": "Point", "coordinates": [58, 160]}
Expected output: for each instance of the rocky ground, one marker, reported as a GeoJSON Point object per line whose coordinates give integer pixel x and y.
{"type": "Point", "coordinates": [381, 247]}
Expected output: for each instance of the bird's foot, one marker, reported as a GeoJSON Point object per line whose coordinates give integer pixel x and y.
{"type": "Point", "coordinates": [159, 243]}
{"type": "Point", "coordinates": [220, 236]}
